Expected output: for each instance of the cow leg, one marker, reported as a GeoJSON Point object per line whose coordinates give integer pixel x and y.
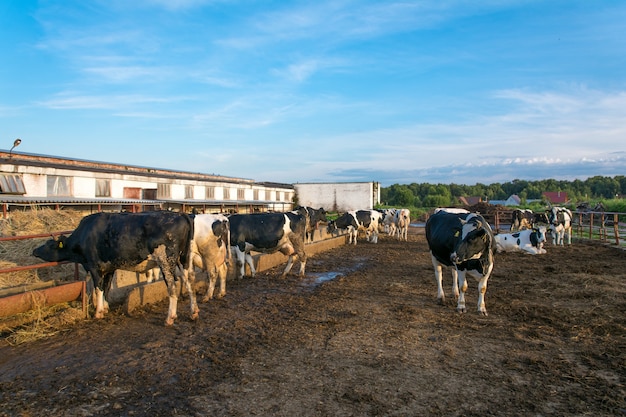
{"type": "Point", "coordinates": [441, 297]}
{"type": "Point", "coordinates": [222, 271]}
{"type": "Point", "coordinates": [462, 283]}
{"type": "Point", "coordinates": [101, 285]}
{"type": "Point", "coordinates": [211, 280]}
{"type": "Point", "coordinates": [250, 262]}
{"type": "Point", "coordinates": [240, 260]}
{"type": "Point", "coordinates": [99, 303]}
{"type": "Point", "coordinates": [374, 237]}
{"type": "Point", "coordinates": [189, 280]}
{"type": "Point", "coordinates": [482, 289]}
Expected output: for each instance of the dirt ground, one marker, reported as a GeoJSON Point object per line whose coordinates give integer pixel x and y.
{"type": "Point", "coordinates": [361, 335]}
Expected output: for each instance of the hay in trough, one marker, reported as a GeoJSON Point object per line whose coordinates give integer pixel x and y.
{"type": "Point", "coordinates": [15, 253]}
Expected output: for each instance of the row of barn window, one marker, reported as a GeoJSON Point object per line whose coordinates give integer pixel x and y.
{"type": "Point", "coordinates": [61, 186]}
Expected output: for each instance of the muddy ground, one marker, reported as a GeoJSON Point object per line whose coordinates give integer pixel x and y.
{"type": "Point", "coordinates": [373, 341]}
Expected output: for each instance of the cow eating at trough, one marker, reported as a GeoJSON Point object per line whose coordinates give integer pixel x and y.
{"type": "Point", "coordinates": [268, 233]}
{"type": "Point", "coordinates": [314, 218]}
{"type": "Point", "coordinates": [528, 240]}
{"type": "Point", "coordinates": [105, 242]}
{"type": "Point", "coordinates": [465, 242]}
{"type": "Point", "coordinates": [353, 221]}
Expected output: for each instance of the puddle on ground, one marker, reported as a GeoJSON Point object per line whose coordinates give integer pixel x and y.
{"type": "Point", "coordinates": [313, 279]}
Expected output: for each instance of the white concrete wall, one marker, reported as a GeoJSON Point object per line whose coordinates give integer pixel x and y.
{"type": "Point", "coordinates": [339, 196]}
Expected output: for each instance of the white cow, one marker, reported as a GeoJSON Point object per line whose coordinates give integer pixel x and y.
{"type": "Point", "coordinates": [210, 250]}
{"type": "Point", "coordinates": [403, 220]}
{"type": "Point", "coordinates": [528, 240]}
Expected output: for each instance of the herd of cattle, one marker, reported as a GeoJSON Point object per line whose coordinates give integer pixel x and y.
{"type": "Point", "coordinates": [178, 243]}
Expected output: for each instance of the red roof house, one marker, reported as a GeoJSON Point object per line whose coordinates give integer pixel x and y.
{"type": "Point", "coordinates": [555, 197]}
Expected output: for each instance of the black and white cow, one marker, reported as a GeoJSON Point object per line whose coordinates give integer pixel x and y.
{"type": "Point", "coordinates": [526, 219]}
{"type": "Point", "coordinates": [353, 221]}
{"type": "Point", "coordinates": [560, 220]}
{"type": "Point", "coordinates": [210, 251]}
{"type": "Point", "coordinates": [105, 242]}
{"type": "Point", "coordinates": [528, 240]}
{"type": "Point", "coordinates": [268, 233]}
{"type": "Point", "coordinates": [465, 242]}
{"type": "Point", "coordinates": [314, 218]}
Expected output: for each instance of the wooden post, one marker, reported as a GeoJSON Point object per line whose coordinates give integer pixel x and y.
{"type": "Point", "coordinates": [616, 228]}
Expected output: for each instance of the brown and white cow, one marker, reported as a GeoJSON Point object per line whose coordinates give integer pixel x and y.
{"type": "Point", "coordinates": [210, 250]}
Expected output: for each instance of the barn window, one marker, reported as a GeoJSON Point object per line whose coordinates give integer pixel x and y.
{"type": "Point", "coordinates": [255, 196]}
{"type": "Point", "coordinates": [226, 193]}
{"type": "Point", "coordinates": [59, 186]}
{"type": "Point", "coordinates": [209, 193]}
{"type": "Point", "coordinates": [103, 188]}
{"type": "Point", "coordinates": [164, 191]}
{"type": "Point", "coordinates": [188, 192]}
{"type": "Point", "coordinates": [241, 194]}
{"type": "Point", "coordinates": [11, 184]}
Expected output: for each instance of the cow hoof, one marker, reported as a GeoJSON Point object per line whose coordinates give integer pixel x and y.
{"type": "Point", "coordinates": [461, 310]}
{"type": "Point", "coordinates": [195, 315]}
{"type": "Point", "coordinates": [99, 315]}
{"type": "Point", "coordinates": [169, 322]}
{"type": "Point", "coordinates": [483, 313]}
{"type": "Point", "coordinates": [442, 301]}
{"type": "Point", "coordinates": [206, 299]}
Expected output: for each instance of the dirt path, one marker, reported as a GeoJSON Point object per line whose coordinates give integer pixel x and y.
{"type": "Point", "coordinates": [373, 341]}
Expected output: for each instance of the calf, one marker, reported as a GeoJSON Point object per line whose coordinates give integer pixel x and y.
{"type": "Point", "coordinates": [560, 220]}
{"type": "Point", "coordinates": [465, 242]}
{"type": "Point", "coordinates": [529, 240]}
{"type": "Point", "coordinates": [268, 233]}
{"type": "Point", "coordinates": [210, 251]}
{"type": "Point", "coordinates": [105, 242]}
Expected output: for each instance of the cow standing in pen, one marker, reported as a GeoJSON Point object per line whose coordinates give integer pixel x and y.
{"type": "Point", "coordinates": [105, 242]}
{"type": "Point", "coordinates": [268, 233]}
{"type": "Point", "coordinates": [210, 251]}
{"type": "Point", "coordinates": [560, 220]}
{"type": "Point", "coordinates": [464, 242]}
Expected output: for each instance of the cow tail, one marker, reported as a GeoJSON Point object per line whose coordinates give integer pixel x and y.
{"type": "Point", "coordinates": [186, 249]}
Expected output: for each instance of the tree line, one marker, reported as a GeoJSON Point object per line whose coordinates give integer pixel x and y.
{"type": "Point", "coordinates": [425, 195]}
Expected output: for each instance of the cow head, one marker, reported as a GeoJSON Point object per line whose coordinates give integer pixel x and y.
{"type": "Point", "coordinates": [476, 238]}
{"type": "Point", "coordinates": [54, 250]}
{"type": "Point", "coordinates": [331, 228]}
{"type": "Point", "coordinates": [538, 236]}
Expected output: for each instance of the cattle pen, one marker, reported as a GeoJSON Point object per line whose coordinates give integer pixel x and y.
{"type": "Point", "coordinates": [598, 226]}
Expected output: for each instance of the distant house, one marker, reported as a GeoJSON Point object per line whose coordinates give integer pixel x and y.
{"type": "Point", "coordinates": [555, 197]}
{"type": "Point", "coordinates": [470, 201]}
{"type": "Point", "coordinates": [513, 200]}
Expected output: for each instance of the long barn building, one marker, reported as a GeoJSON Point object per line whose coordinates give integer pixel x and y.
{"type": "Point", "coordinates": [28, 180]}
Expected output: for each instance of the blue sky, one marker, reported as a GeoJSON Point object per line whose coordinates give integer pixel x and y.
{"type": "Point", "coordinates": [437, 91]}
